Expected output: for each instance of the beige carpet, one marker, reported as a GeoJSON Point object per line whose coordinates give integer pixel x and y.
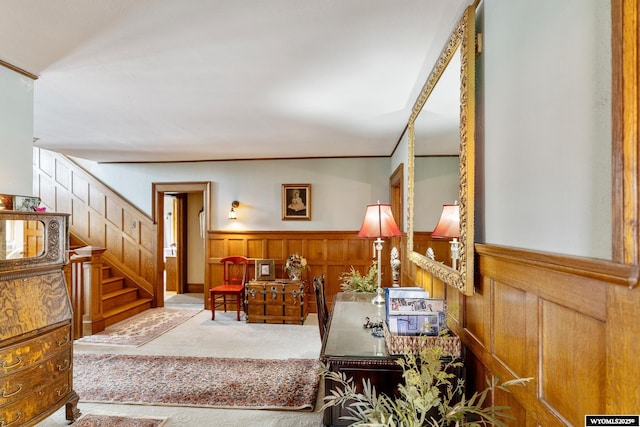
{"type": "Point", "coordinates": [223, 337]}
{"type": "Point", "coordinates": [110, 420]}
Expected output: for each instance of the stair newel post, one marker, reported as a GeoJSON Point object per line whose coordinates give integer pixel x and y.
{"type": "Point", "coordinates": [74, 276]}
{"type": "Point", "coordinates": [93, 318]}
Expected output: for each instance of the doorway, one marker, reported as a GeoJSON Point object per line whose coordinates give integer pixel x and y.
{"type": "Point", "coordinates": [181, 213]}
{"type": "Point", "coordinates": [396, 185]}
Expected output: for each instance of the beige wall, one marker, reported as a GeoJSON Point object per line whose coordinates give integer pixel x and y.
{"type": "Point", "coordinates": [340, 188]}
{"type": "Point", "coordinates": [544, 110]}
{"type": "Point", "coordinates": [16, 133]}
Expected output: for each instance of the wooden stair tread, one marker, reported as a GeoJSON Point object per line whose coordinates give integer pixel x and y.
{"type": "Point", "coordinates": [122, 308]}
{"type": "Point", "coordinates": [121, 300]}
{"type": "Point", "coordinates": [118, 292]}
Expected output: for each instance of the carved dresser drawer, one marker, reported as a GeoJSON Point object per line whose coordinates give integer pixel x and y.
{"type": "Point", "coordinates": [20, 356]}
{"type": "Point", "coordinates": [34, 373]}
{"type": "Point", "coordinates": [36, 333]}
{"type": "Point", "coordinates": [35, 403]}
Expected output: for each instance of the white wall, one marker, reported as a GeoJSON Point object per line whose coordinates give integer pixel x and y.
{"type": "Point", "coordinates": [544, 89]}
{"type": "Point", "coordinates": [340, 188]}
{"type": "Point", "coordinates": [544, 143]}
{"type": "Point", "coordinates": [437, 183]}
{"type": "Point", "coordinates": [16, 133]}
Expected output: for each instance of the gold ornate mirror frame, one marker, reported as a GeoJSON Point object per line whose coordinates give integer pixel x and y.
{"type": "Point", "coordinates": [463, 37]}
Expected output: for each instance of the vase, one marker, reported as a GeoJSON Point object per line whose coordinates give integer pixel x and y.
{"type": "Point", "coordinates": [294, 275]}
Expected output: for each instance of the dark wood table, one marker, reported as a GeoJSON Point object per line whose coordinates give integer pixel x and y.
{"type": "Point", "coordinates": [351, 348]}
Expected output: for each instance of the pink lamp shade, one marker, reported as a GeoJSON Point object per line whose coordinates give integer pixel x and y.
{"type": "Point", "coordinates": [379, 222]}
{"type": "Point", "coordinates": [449, 224]}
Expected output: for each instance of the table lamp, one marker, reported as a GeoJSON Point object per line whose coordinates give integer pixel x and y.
{"type": "Point", "coordinates": [379, 223]}
{"type": "Point", "coordinates": [449, 227]}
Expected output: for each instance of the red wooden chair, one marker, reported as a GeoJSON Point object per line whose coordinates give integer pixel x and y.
{"type": "Point", "coordinates": [235, 276]}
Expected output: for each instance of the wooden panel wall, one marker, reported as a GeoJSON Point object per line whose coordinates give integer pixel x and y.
{"type": "Point", "coordinates": [569, 323]}
{"type": "Point", "coordinates": [327, 252]}
{"type": "Point", "coordinates": [99, 216]}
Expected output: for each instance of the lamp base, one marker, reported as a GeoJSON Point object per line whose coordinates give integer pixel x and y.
{"type": "Point", "coordinates": [379, 298]}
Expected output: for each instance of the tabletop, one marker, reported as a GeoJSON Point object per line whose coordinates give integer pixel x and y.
{"type": "Point", "coordinates": [346, 335]}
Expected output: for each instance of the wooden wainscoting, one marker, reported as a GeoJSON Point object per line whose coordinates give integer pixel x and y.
{"type": "Point", "coordinates": [569, 323]}
{"type": "Point", "coordinates": [99, 217]}
{"type": "Point", "coordinates": [327, 252]}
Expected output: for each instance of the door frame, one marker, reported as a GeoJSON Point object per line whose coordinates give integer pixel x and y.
{"type": "Point", "coordinates": [396, 189]}
{"type": "Point", "coordinates": [158, 190]}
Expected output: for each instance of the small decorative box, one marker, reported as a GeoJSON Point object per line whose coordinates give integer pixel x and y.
{"type": "Point", "coordinates": [403, 344]}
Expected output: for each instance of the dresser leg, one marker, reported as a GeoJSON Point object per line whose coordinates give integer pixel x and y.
{"type": "Point", "coordinates": [71, 408]}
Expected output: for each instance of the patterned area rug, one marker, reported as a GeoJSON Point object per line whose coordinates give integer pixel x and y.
{"type": "Point", "coordinates": [141, 328]}
{"type": "Point", "coordinates": [96, 420]}
{"type": "Point", "coordinates": [289, 384]}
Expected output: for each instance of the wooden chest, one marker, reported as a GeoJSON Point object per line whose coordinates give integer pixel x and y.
{"type": "Point", "coordinates": [276, 302]}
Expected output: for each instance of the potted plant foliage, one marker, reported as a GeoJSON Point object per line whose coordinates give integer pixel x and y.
{"type": "Point", "coordinates": [354, 281]}
{"type": "Point", "coordinates": [430, 396]}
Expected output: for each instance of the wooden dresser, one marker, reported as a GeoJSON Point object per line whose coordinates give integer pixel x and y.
{"type": "Point", "coordinates": [36, 344]}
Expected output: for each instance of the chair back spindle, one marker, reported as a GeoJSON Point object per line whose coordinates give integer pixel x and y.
{"type": "Point", "coordinates": [321, 304]}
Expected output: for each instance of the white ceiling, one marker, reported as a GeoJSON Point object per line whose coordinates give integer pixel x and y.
{"type": "Point", "coordinates": [167, 80]}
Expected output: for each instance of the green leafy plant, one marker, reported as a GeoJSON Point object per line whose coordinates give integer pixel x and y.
{"type": "Point", "coordinates": [354, 281]}
{"type": "Point", "coordinates": [430, 396]}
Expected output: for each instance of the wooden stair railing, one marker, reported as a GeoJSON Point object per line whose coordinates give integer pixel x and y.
{"type": "Point", "coordinates": [98, 298]}
{"type": "Point", "coordinates": [85, 290]}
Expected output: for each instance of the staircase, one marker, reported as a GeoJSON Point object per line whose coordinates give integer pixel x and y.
{"type": "Point", "coordinates": [120, 302]}
{"type": "Point", "coordinates": [101, 223]}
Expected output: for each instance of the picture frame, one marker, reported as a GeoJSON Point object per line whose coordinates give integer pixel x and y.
{"type": "Point", "coordinates": [25, 203]}
{"type": "Point", "coordinates": [416, 324]}
{"type": "Point", "coordinates": [406, 300]}
{"type": "Point", "coordinates": [296, 202]}
{"type": "Point", "coordinates": [265, 269]}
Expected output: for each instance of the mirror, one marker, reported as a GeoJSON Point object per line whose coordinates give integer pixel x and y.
{"type": "Point", "coordinates": [21, 239]}
{"type": "Point", "coordinates": [460, 46]}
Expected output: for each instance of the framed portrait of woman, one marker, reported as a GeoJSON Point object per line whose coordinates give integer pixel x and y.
{"type": "Point", "coordinates": [296, 202]}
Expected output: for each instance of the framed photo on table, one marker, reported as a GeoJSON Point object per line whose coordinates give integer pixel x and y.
{"type": "Point", "coordinates": [25, 203]}
{"type": "Point", "coordinates": [296, 202]}
{"type": "Point", "coordinates": [265, 269]}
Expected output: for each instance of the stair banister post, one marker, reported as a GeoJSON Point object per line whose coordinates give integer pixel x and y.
{"type": "Point", "coordinates": [93, 318]}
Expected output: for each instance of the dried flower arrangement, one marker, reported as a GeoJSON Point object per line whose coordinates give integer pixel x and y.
{"type": "Point", "coordinates": [295, 264]}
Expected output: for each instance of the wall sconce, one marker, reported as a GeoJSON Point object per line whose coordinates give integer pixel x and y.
{"type": "Point", "coordinates": [449, 227]}
{"type": "Point", "coordinates": [232, 212]}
